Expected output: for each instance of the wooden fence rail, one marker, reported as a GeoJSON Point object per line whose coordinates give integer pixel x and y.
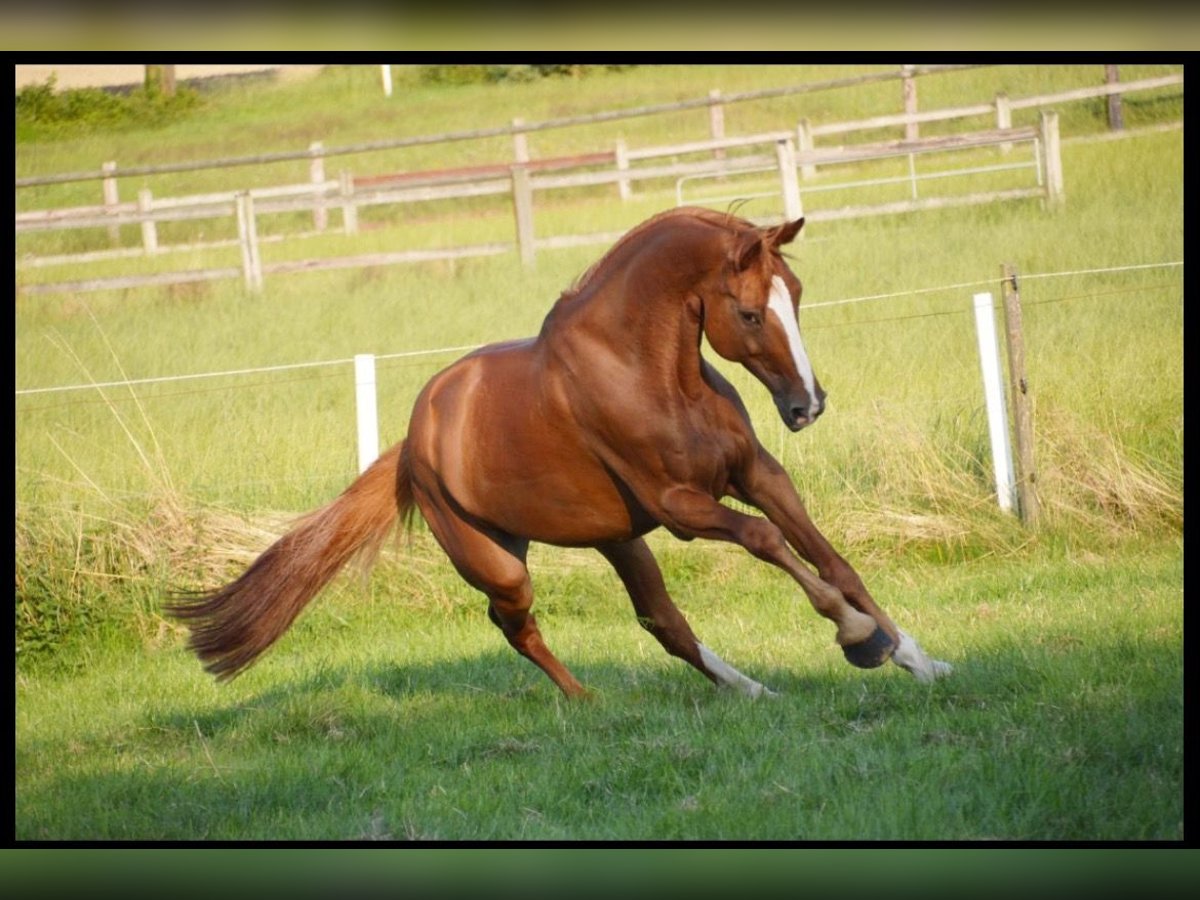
{"type": "Point", "coordinates": [720, 157]}
{"type": "Point", "coordinates": [522, 185]}
{"type": "Point", "coordinates": [906, 73]}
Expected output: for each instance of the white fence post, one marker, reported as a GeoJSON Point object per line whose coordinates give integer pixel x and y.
{"type": "Point", "coordinates": [386, 72]}
{"type": "Point", "coordinates": [367, 410]}
{"type": "Point", "coordinates": [993, 391]}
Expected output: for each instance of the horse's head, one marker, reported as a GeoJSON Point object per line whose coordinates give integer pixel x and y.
{"type": "Point", "coordinates": [750, 318]}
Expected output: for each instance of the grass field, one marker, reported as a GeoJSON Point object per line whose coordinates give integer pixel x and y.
{"type": "Point", "coordinates": [394, 710]}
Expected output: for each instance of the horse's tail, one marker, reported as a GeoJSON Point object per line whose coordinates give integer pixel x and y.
{"type": "Point", "coordinates": [231, 627]}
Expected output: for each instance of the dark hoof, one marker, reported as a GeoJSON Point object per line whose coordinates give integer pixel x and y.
{"type": "Point", "coordinates": [871, 653]}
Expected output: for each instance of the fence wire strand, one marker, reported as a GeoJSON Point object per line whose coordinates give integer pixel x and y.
{"type": "Point", "coordinates": [413, 354]}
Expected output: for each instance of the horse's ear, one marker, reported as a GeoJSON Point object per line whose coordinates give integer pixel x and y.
{"type": "Point", "coordinates": [786, 232]}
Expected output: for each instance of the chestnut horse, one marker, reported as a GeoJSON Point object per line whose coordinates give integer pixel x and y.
{"type": "Point", "coordinates": [607, 425]}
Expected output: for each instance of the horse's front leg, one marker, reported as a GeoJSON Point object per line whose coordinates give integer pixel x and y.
{"type": "Point", "coordinates": [690, 513]}
{"type": "Point", "coordinates": [767, 486]}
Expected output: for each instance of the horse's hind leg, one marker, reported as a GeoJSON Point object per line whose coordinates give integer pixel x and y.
{"type": "Point", "coordinates": [659, 615]}
{"type": "Point", "coordinates": [496, 567]}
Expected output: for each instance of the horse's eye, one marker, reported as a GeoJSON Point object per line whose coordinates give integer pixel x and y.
{"type": "Point", "coordinates": [750, 318]}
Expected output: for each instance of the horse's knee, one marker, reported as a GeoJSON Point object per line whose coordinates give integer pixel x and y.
{"type": "Point", "coordinates": [842, 576]}
{"type": "Point", "coordinates": [764, 540]}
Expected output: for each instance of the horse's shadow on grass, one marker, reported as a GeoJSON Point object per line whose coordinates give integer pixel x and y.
{"type": "Point", "coordinates": [273, 761]}
{"type": "Point", "coordinates": [475, 684]}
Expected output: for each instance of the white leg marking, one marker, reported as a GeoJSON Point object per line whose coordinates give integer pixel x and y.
{"type": "Point", "coordinates": [910, 656]}
{"type": "Point", "coordinates": [730, 676]}
{"type": "Point", "coordinates": [780, 303]}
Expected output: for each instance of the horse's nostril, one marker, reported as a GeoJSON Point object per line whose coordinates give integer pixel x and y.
{"type": "Point", "coordinates": [799, 412]}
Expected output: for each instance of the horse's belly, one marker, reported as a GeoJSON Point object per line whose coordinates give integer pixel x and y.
{"type": "Point", "coordinates": [530, 479]}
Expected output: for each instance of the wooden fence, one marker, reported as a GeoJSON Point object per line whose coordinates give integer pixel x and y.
{"type": "Point", "coordinates": [623, 168]}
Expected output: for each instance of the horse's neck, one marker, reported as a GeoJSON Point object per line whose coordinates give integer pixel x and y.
{"type": "Point", "coordinates": [639, 313]}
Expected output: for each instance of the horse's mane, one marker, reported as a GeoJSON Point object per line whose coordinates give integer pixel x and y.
{"type": "Point", "coordinates": [725, 220]}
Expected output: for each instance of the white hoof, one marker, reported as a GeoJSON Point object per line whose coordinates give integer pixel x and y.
{"type": "Point", "coordinates": [911, 657]}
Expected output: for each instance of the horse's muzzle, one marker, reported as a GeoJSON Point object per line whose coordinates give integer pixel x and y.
{"type": "Point", "coordinates": [796, 414]}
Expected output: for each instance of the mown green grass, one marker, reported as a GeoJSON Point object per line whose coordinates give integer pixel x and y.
{"type": "Point", "coordinates": [379, 719]}
{"type": "Point", "coordinates": [397, 711]}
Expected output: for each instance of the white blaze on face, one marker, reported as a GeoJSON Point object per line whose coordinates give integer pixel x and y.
{"type": "Point", "coordinates": [780, 303]}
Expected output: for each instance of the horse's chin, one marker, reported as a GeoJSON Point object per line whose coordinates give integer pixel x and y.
{"type": "Point", "coordinates": [797, 424]}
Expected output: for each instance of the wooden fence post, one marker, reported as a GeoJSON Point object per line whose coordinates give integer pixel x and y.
{"type": "Point", "coordinates": [111, 199]}
{"type": "Point", "coordinates": [785, 156]}
{"type": "Point", "coordinates": [804, 140]}
{"type": "Point", "coordinates": [716, 120]}
{"type": "Point", "coordinates": [316, 174]}
{"type": "Point", "coordinates": [149, 229]}
{"type": "Point", "coordinates": [1026, 475]}
{"type": "Point", "coordinates": [248, 239]}
{"type": "Point", "coordinates": [523, 209]}
{"type": "Point", "coordinates": [1052, 158]}
{"type": "Point", "coordinates": [621, 152]}
{"type": "Point", "coordinates": [520, 142]}
{"type": "Point", "coordinates": [1004, 118]}
{"type": "Point", "coordinates": [349, 210]}
{"type": "Point", "coordinates": [1116, 118]}
{"type": "Point", "coordinates": [912, 130]}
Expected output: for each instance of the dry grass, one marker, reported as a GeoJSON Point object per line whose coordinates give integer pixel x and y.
{"type": "Point", "coordinates": [941, 500]}
{"type": "Point", "coordinates": [1088, 480]}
